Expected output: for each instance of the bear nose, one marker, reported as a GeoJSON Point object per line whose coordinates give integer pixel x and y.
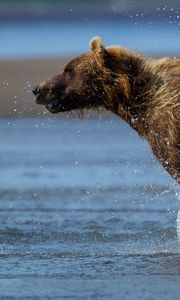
{"type": "Point", "coordinates": [36, 91]}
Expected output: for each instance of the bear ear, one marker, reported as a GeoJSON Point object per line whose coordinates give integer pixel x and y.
{"type": "Point", "coordinates": [96, 45]}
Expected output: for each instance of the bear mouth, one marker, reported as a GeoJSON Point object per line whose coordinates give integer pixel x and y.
{"type": "Point", "coordinates": [53, 106]}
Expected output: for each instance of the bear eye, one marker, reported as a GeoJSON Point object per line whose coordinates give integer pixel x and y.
{"type": "Point", "coordinates": [68, 69]}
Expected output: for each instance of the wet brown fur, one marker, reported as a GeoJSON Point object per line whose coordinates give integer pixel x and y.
{"type": "Point", "coordinates": [144, 92]}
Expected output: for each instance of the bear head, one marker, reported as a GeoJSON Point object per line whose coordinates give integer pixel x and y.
{"type": "Point", "coordinates": [91, 80]}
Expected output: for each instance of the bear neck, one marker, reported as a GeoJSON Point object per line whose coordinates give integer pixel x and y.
{"type": "Point", "coordinates": [143, 83]}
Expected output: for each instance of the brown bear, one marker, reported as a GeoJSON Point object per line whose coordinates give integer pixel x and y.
{"type": "Point", "coordinates": [144, 92]}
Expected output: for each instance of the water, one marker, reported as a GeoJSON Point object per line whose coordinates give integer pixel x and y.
{"type": "Point", "coordinates": [52, 39]}
{"type": "Point", "coordinates": [85, 213]}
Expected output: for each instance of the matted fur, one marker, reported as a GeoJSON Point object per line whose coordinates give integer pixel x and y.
{"type": "Point", "coordinates": [144, 92]}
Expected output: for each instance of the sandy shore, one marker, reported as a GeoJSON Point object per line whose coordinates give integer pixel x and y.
{"type": "Point", "coordinates": [17, 77]}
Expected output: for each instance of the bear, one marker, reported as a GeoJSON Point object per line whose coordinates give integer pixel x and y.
{"type": "Point", "coordinates": [143, 91]}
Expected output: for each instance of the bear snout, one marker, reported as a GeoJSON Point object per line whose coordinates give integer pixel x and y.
{"type": "Point", "coordinates": [36, 91]}
{"type": "Point", "coordinates": [38, 94]}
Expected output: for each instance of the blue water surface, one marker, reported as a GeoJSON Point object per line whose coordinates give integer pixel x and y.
{"type": "Point", "coordinates": [54, 38]}
{"type": "Point", "coordinates": [85, 213]}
